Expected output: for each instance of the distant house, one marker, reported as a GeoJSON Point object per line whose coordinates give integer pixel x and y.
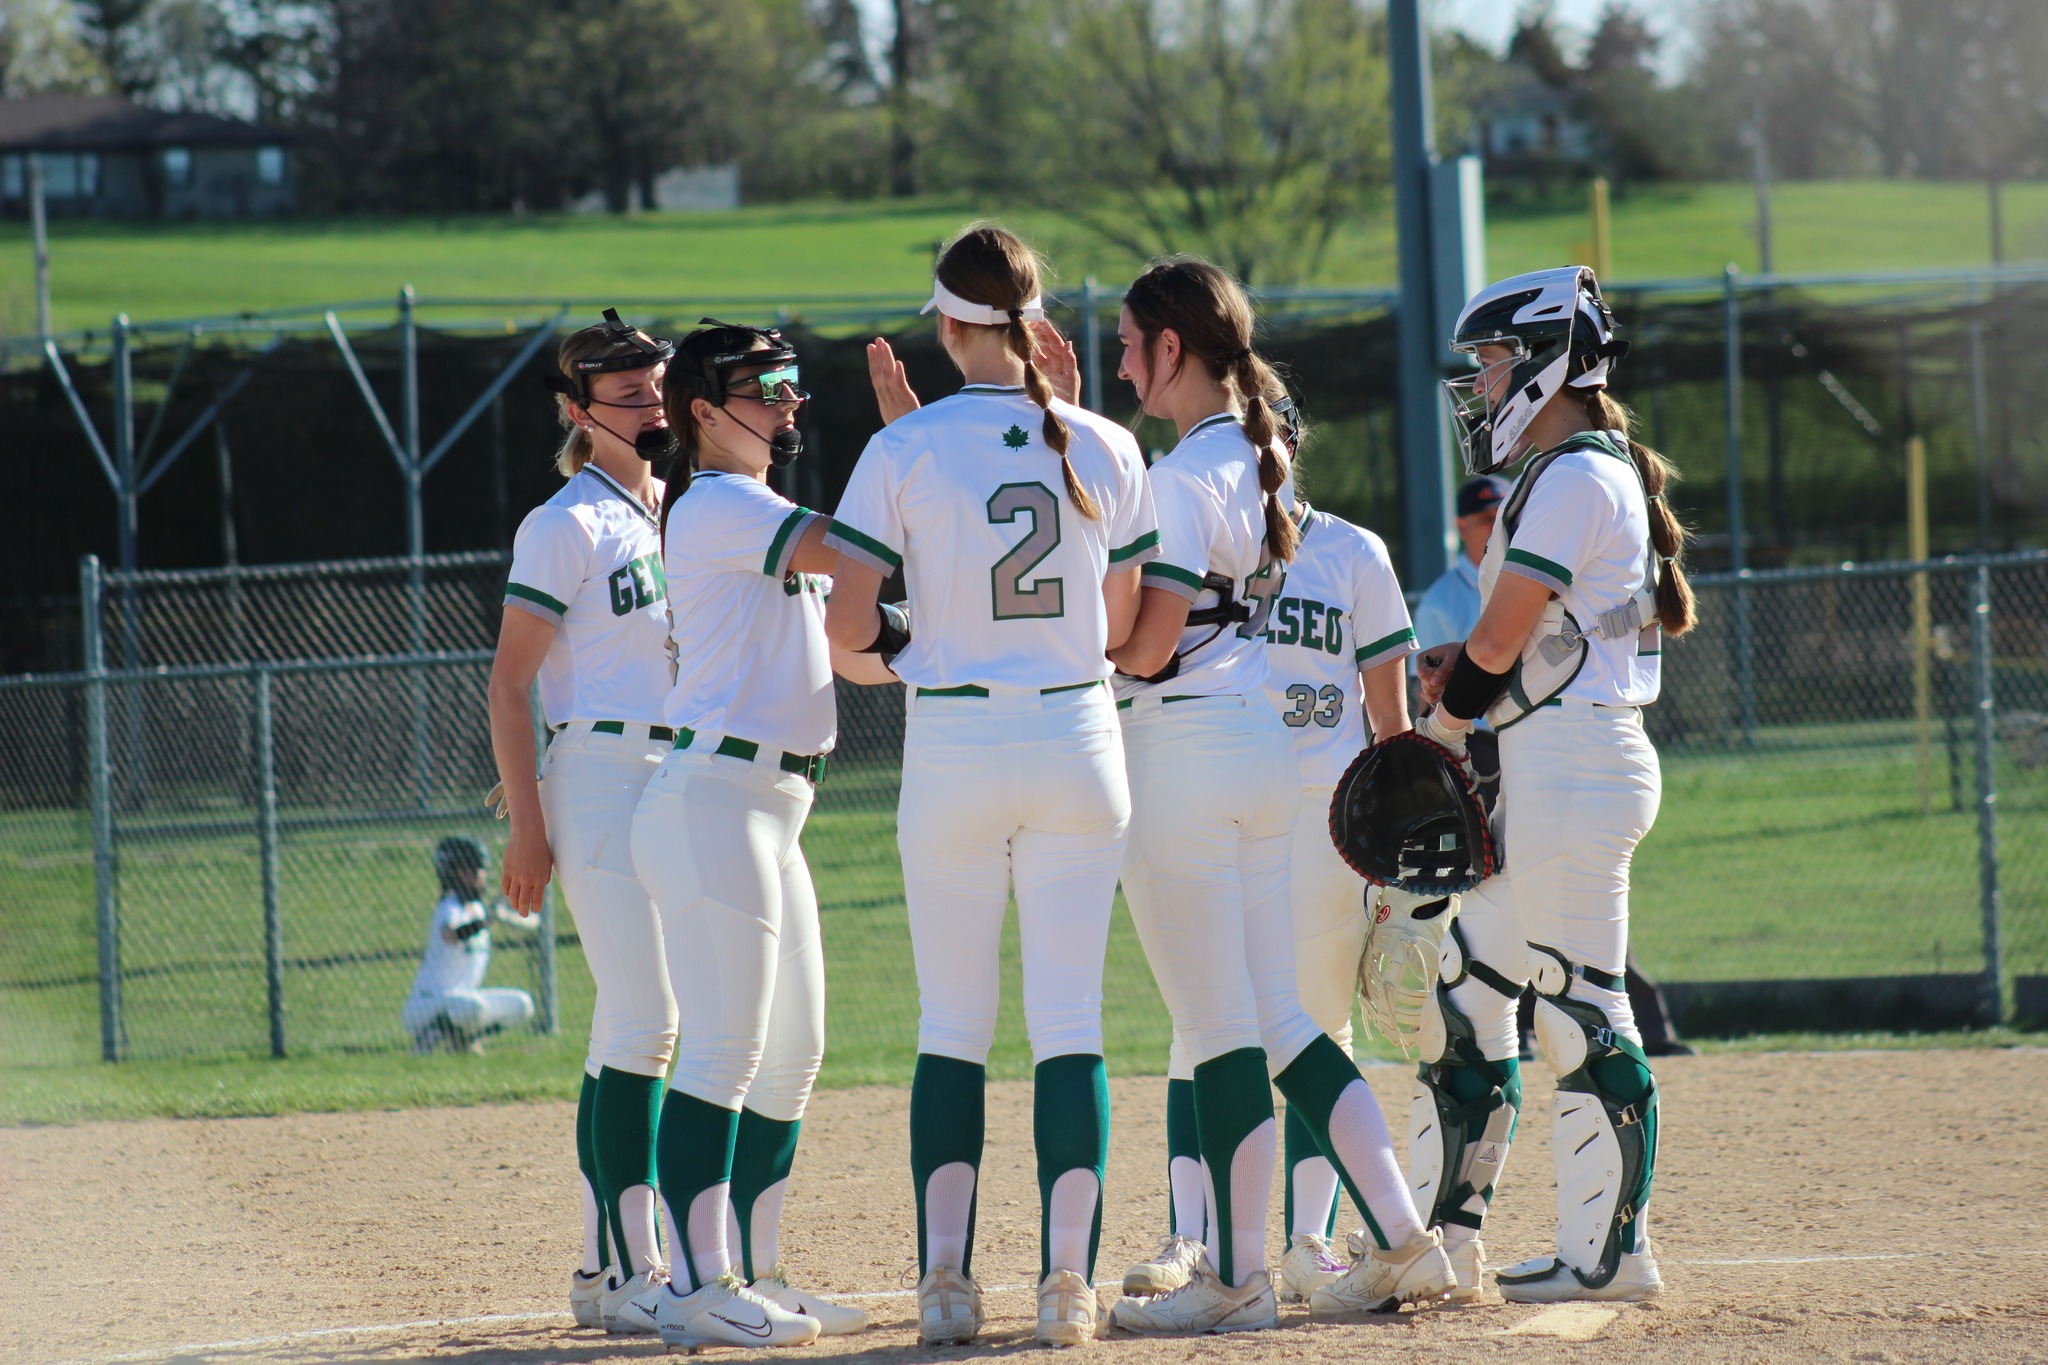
{"type": "Point", "coordinates": [104, 157]}
{"type": "Point", "coordinates": [1531, 123]}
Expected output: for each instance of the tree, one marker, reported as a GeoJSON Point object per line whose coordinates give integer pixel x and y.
{"type": "Point", "coordinates": [1247, 132]}
{"type": "Point", "coordinates": [44, 51]}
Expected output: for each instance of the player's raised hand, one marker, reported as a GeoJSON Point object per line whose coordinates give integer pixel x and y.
{"type": "Point", "coordinates": [893, 393]}
{"type": "Point", "coordinates": [1054, 356]}
{"type": "Point", "coordinates": [528, 865]}
{"type": "Point", "coordinates": [1433, 669]}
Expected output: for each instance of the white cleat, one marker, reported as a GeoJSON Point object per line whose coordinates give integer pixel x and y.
{"type": "Point", "coordinates": [1203, 1304]}
{"type": "Point", "coordinates": [1067, 1309]}
{"type": "Point", "coordinates": [948, 1308]}
{"type": "Point", "coordinates": [618, 1311]}
{"type": "Point", "coordinates": [1546, 1279]}
{"type": "Point", "coordinates": [725, 1313]}
{"type": "Point", "coordinates": [1467, 1259]}
{"type": "Point", "coordinates": [1308, 1265]}
{"type": "Point", "coordinates": [1381, 1281]}
{"type": "Point", "coordinates": [584, 1291]}
{"type": "Point", "coordinates": [1171, 1267]}
{"type": "Point", "coordinates": [834, 1319]}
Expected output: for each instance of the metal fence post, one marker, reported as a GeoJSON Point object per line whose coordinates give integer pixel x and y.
{"type": "Point", "coordinates": [1978, 456]}
{"type": "Point", "coordinates": [546, 1019]}
{"type": "Point", "coordinates": [415, 531]}
{"type": "Point", "coordinates": [100, 782]}
{"type": "Point", "coordinates": [1738, 556]}
{"type": "Point", "coordinates": [267, 847]}
{"type": "Point", "coordinates": [1091, 349]}
{"type": "Point", "coordinates": [1987, 796]}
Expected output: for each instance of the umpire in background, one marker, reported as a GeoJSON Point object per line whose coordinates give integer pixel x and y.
{"type": "Point", "coordinates": [1448, 611]}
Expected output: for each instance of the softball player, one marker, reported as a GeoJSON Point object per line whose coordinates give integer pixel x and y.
{"type": "Point", "coordinates": [1581, 581]}
{"type": "Point", "coordinates": [715, 842]}
{"type": "Point", "coordinates": [449, 1001]}
{"type": "Point", "coordinates": [1214, 793]}
{"type": "Point", "coordinates": [1336, 640]}
{"type": "Point", "coordinates": [1020, 523]}
{"type": "Point", "coordinates": [588, 618]}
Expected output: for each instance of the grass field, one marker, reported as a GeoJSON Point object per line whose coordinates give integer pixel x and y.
{"type": "Point", "coordinates": [1807, 857]}
{"type": "Point", "coordinates": [804, 250]}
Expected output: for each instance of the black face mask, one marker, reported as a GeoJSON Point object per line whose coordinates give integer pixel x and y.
{"type": "Point", "coordinates": [783, 447]}
{"type": "Point", "coordinates": [650, 443]}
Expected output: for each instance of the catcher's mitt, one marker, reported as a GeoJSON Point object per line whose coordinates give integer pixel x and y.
{"type": "Point", "coordinates": [1406, 815]}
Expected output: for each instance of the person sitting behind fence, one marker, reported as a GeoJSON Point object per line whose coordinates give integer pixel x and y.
{"type": "Point", "coordinates": [449, 1003]}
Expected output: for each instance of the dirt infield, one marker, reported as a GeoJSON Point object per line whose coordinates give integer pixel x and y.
{"type": "Point", "coordinates": [1845, 1206]}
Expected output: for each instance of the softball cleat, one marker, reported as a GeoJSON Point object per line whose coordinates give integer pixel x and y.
{"type": "Point", "coordinates": [1467, 1260]}
{"type": "Point", "coordinates": [1172, 1266]}
{"type": "Point", "coordinates": [1381, 1281]}
{"type": "Point", "coordinates": [1066, 1309]}
{"type": "Point", "coordinates": [726, 1313]}
{"type": "Point", "coordinates": [1308, 1265]}
{"type": "Point", "coordinates": [619, 1310]}
{"type": "Point", "coordinates": [948, 1308]}
{"type": "Point", "coordinates": [1203, 1304]}
{"type": "Point", "coordinates": [584, 1292]}
{"type": "Point", "coordinates": [834, 1320]}
{"type": "Point", "coordinates": [1546, 1279]}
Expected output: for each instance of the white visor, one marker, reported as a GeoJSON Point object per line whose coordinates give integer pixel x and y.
{"type": "Point", "coordinates": [960, 310]}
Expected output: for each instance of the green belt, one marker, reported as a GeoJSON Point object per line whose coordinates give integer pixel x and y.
{"type": "Point", "coordinates": [618, 727]}
{"type": "Point", "coordinates": [975, 690]}
{"type": "Point", "coordinates": [811, 766]}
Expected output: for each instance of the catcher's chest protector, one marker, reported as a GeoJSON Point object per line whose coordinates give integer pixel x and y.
{"type": "Point", "coordinates": [1556, 649]}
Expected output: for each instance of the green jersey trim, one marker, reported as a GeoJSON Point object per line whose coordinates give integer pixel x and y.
{"type": "Point", "coordinates": [536, 596]}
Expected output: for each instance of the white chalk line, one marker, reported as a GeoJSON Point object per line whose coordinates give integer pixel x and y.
{"type": "Point", "coordinates": [868, 1296]}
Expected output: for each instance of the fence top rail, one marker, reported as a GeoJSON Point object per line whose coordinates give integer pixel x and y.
{"type": "Point", "coordinates": [1879, 568]}
{"type": "Point", "coordinates": [249, 668]}
{"type": "Point", "coordinates": [270, 319]}
{"type": "Point", "coordinates": [318, 568]}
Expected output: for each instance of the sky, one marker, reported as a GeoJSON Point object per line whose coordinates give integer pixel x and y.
{"type": "Point", "coordinates": [1490, 21]}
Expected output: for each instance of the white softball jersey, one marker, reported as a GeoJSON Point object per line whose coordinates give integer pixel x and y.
{"type": "Point", "coordinates": [751, 659]}
{"type": "Point", "coordinates": [1004, 576]}
{"type": "Point", "coordinates": [1584, 533]}
{"type": "Point", "coordinates": [449, 967]}
{"type": "Point", "coordinates": [1339, 613]}
{"type": "Point", "coordinates": [588, 560]}
{"type": "Point", "coordinates": [1212, 519]}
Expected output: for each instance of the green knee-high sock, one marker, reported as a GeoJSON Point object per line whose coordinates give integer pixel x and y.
{"type": "Point", "coordinates": [1070, 1122]}
{"type": "Point", "coordinates": [948, 1120]}
{"type": "Point", "coordinates": [1474, 1079]}
{"type": "Point", "coordinates": [694, 1154]}
{"type": "Point", "coordinates": [624, 1113]}
{"type": "Point", "coordinates": [1183, 1139]}
{"type": "Point", "coordinates": [761, 1159]}
{"type": "Point", "coordinates": [1298, 1144]}
{"type": "Point", "coordinates": [1232, 1098]}
{"type": "Point", "coordinates": [1312, 1083]}
{"type": "Point", "coordinates": [586, 1162]}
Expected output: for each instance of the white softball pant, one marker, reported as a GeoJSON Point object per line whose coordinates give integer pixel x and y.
{"type": "Point", "coordinates": [1214, 794]}
{"type": "Point", "coordinates": [715, 841]}
{"type": "Point", "coordinates": [590, 786]}
{"type": "Point", "coordinates": [1011, 790]}
{"type": "Point", "coordinates": [478, 1011]}
{"type": "Point", "coordinates": [1329, 920]}
{"type": "Point", "coordinates": [1580, 785]}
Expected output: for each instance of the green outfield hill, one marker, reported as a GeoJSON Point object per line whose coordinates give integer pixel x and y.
{"type": "Point", "coordinates": [799, 251]}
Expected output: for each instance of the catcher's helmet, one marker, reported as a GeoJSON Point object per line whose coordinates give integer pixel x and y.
{"type": "Point", "coordinates": [1561, 334]}
{"type": "Point", "coordinates": [457, 855]}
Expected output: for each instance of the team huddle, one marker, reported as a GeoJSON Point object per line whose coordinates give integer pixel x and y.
{"type": "Point", "coordinates": [1168, 672]}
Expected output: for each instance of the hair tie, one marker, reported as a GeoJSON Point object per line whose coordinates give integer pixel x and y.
{"type": "Point", "coordinates": [1656, 497]}
{"type": "Point", "coordinates": [1669, 559]}
{"type": "Point", "coordinates": [1241, 353]}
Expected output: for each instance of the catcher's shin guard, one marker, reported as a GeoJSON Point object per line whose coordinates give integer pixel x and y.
{"type": "Point", "coordinates": [1464, 1109]}
{"type": "Point", "coordinates": [1603, 1120]}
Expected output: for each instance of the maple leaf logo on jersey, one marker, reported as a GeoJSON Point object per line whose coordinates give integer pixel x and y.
{"type": "Point", "coordinates": [1016, 438]}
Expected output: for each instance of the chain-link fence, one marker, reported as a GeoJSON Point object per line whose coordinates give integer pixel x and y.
{"type": "Point", "coordinates": [216, 839]}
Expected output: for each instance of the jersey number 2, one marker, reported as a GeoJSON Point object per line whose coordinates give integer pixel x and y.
{"type": "Point", "coordinates": [1012, 599]}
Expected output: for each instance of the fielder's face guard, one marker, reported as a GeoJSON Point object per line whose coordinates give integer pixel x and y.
{"type": "Point", "coordinates": [1559, 333]}
{"type": "Point", "coordinates": [625, 349]}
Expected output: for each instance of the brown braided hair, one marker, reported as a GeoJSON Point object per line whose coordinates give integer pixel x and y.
{"type": "Point", "coordinates": [987, 265]}
{"type": "Point", "coordinates": [1676, 610]}
{"type": "Point", "coordinates": [1208, 310]}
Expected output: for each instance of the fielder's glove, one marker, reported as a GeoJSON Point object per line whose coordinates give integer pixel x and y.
{"type": "Point", "coordinates": [495, 802]}
{"type": "Point", "coordinates": [1397, 974]}
{"type": "Point", "coordinates": [1406, 815]}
